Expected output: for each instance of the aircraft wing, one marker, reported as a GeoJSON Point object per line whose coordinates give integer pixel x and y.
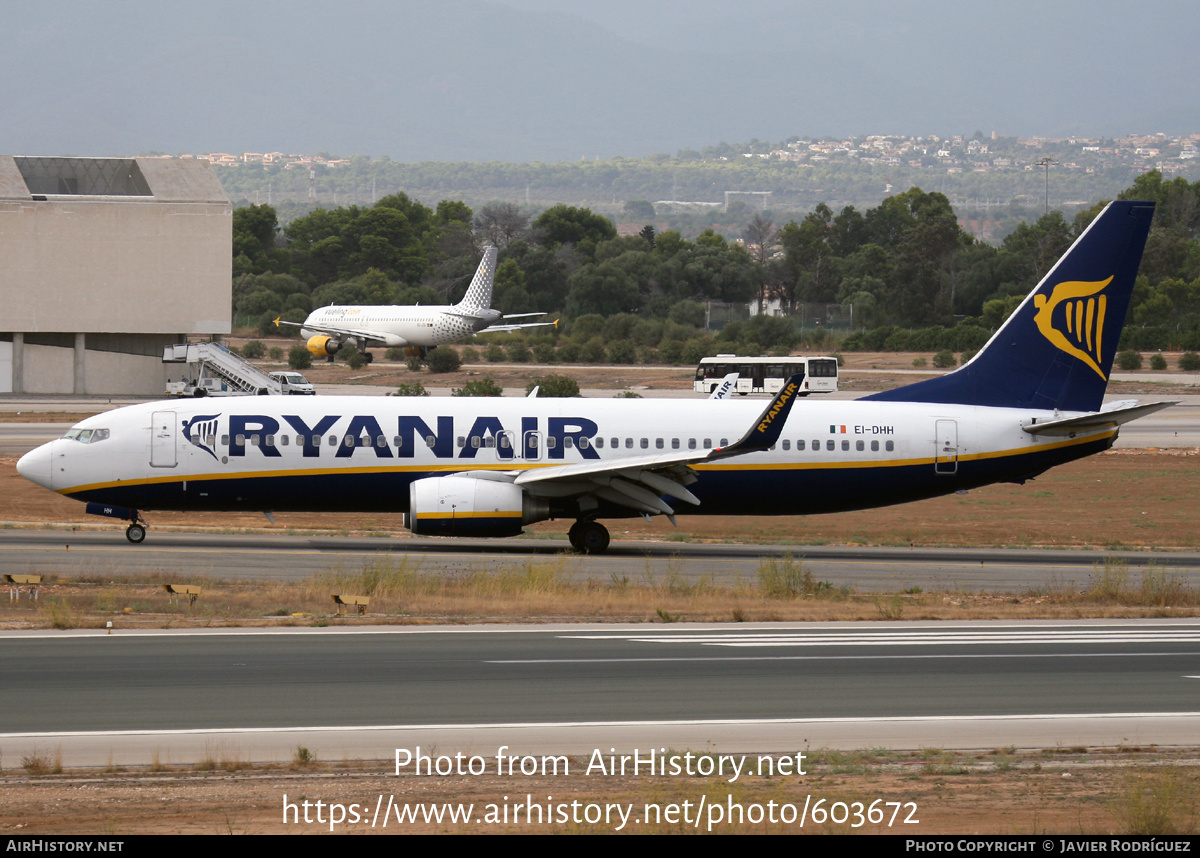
{"type": "Point", "coordinates": [638, 482]}
{"type": "Point", "coordinates": [1114, 414]}
{"type": "Point", "coordinates": [491, 329]}
{"type": "Point", "coordinates": [722, 390]}
{"type": "Point", "coordinates": [343, 333]}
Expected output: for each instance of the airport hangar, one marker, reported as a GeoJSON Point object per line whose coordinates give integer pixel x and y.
{"type": "Point", "coordinates": [103, 262]}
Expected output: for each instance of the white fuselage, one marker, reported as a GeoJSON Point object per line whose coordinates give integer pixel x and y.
{"type": "Point", "coordinates": [401, 325]}
{"type": "Point", "coordinates": [361, 453]}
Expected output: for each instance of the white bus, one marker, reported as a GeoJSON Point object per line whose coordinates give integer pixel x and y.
{"type": "Point", "coordinates": [767, 374]}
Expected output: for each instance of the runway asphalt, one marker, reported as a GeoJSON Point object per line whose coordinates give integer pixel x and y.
{"type": "Point", "coordinates": [565, 689]}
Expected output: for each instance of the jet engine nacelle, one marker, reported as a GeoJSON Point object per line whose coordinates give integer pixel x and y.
{"type": "Point", "coordinates": [323, 346]}
{"type": "Point", "coordinates": [465, 506]}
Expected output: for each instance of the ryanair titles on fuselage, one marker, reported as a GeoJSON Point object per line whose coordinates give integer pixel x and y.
{"type": "Point", "coordinates": [344, 436]}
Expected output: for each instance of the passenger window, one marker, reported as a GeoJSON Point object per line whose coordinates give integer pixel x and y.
{"type": "Point", "coordinates": [284, 440]}
{"type": "Point", "coordinates": [489, 441]}
{"type": "Point", "coordinates": [398, 441]}
{"type": "Point", "coordinates": [645, 443]}
{"type": "Point", "coordinates": [858, 445]}
{"type": "Point", "coordinates": [846, 445]}
{"type": "Point", "coordinates": [462, 442]}
{"type": "Point", "coordinates": [475, 442]}
{"type": "Point", "coordinates": [583, 443]}
{"type": "Point", "coordinates": [830, 445]}
{"type": "Point", "coordinates": [707, 443]}
{"type": "Point", "coordinates": [504, 445]}
{"type": "Point", "coordinates": [269, 440]}
{"type": "Point", "coordinates": [691, 443]}
{"type": "Point", "coordinates": [348, 441]}
{"type": "Point", "coordinates": [600, 443]}
{"type": "Point", "coordinates": [799, 445]}
{"type": "Point", "coordinates": [550, 442]}
{"type": "Point", "coordinates": [381, 441]}
{"type": "Point", "coordinates": [567, 443]}
{"type": "Point", "coordinates": [890, 446]}
{"type": "Point", "coordinates": [430, 441]}
{"type": "Point", "coordinates": [239, 441]}
{"type": "Point", "coordinates": [787, 445]}
{"type": "Point", "coordinates": [724, 442]}
{"type": "Point", "coordinates": [674, 443]}
{"type": "Point", "coordinates": [658, 443]}
{"type": "Point", "coordinates": [874, 446]}
{"type": "Point", "coordinates": [629, 443]}
{"type": "Point", "coordinates": [332, 440]}
{"type": "Point", "coordinates": [224, 440]}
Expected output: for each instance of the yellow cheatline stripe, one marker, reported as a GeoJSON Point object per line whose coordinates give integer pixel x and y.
{"type": "Point", "coordinates": [461, 465]}
{"type": "Point", "coordinates": [444, 515]}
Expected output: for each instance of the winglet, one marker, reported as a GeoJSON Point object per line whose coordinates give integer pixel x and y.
{"type": "Point", "coordinates": [277, 318]}
{"type": "Point", "coordinates": [767, 428]}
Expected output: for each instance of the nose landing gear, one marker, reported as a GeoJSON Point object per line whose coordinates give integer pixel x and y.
{"type": "Point", "coordinates": [136, 532]}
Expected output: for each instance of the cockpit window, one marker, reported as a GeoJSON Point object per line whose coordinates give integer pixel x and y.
{"type": "Point", "coordinates": [87, 436]}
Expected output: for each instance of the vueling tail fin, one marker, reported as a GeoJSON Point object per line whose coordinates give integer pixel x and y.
{"type": "Point", "coordinates": [1057, 348]}
{"type": "Point", "coordinates": [479, 294]}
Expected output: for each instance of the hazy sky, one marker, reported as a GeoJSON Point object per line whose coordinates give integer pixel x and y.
{"type": "Point", "coordinates": [552, 80]}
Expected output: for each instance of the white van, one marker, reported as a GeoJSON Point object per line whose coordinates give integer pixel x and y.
{"type": "Point", "coordinates": [293, 382]}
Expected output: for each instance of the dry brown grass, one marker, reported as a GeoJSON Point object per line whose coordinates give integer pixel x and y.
{"type": "Point", "coordinates": [401, 590]}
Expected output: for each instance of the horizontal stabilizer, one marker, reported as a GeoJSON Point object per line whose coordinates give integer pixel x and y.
{"type": "Point", "coordinates": [1123, 413]}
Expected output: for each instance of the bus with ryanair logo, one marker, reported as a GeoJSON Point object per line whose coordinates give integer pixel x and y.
{"type": "Point", "coordinates": [767, 374]}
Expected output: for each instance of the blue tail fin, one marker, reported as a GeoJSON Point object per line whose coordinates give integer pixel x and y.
{"type": "Point", "coordinates": [1057, 348]}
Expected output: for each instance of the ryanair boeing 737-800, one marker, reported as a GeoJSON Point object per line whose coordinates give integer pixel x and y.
{"type": "Point", "coordinates": [1029, 400]}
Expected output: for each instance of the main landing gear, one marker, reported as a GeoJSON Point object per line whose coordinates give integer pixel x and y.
{"type": "Point", "coordinates": [588, 537]}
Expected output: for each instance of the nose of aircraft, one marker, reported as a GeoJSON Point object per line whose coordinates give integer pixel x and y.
{"type": "Point", "coordinates": [35, 465]}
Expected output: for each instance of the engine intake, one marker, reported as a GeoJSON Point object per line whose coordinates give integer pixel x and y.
{"type": "Point", "coordinates": [323, 346]}
{"type": "Point", "coordinates": [465, 506]}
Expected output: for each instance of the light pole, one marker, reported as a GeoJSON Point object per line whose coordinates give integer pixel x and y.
{"type": "Point", "coordinates": [1046, 163]}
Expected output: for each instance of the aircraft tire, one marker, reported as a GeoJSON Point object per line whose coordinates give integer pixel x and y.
{"type": "Point", "coordinates": [573, 535]}
{"type": "Point", "coordinates": [135, 533]}
{"type": "Point", "coordinates": [370, 357]}
{"type": "Point", "coordinates": [593, 538]}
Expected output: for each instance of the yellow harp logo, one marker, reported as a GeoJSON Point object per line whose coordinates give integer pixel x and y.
{"type": "Point", "coordinates": [1080, 327]}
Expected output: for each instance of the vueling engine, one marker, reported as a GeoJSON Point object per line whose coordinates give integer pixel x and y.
{"type": "Point", "coordinates": [323, 346]}
{"type": "Point", "coordinates": [465, 506]}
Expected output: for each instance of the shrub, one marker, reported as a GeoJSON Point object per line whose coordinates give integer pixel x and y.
{"type": "Point", "coordinates": [944, 359]}
{"type": "Point", "coordinates": [414, 389]}
{"type": "Point", "coordinates": [253, 350]}
{"type": "Point", "coordinates": [544, 353]}
{"type": "Point", "coordinates": [553, 386]}
{"type": "Point", "coordinates": [1129, 359]}
{"type": "Point", "coordinates": [518, 352]}
{"type": "Point", "coordinates": [469, 354]}
{"type": "Point", "coordinates": [299, 357]}
{"type": "Point", "coordinates": [622, 352]}
{"type": "Point", "coordinates": [276, 353]}
{"type": "Point", "coordinates": [966, 356]}
{"type": "Point", "coordinates": [919, 362]}
{"type": "Point", "coordinates": [1157, 361]}
{"type": "Point", "coordinates": [358, 360]}
{"type": "Point", "coordinates": [627, 394]}
{"type": "Point", "coordinates": [413, 364]}
{"type": "Point", "coordinates": [443, 360]}
{"type": "Point", "coordinates": [478, 387]}
{"type": "Point", "coordinates": [1189, 362]}
{"type": "Point", "coordinates": [395, 353]}
{"type": "Point", "coordinates": [494, 353]}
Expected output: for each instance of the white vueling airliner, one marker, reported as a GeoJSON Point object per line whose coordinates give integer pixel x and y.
{"type": "Point", "coordinates": [1029, 400]}
{"type": "Point", "coordinates": [414, 328]}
